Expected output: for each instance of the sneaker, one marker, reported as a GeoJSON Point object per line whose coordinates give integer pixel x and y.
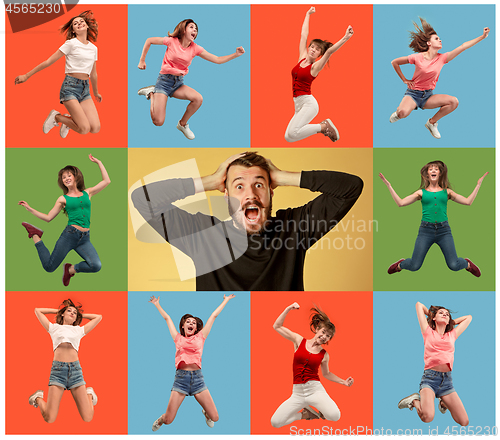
{"type": "Point", "coordinates": [34, 396]}
{"type": "Point", "coordinates": [441, 406]}
{"type": "Point", "coordinates": [32, 230]}
{"type": "Point", "coordinates": [407, 402]}
{"type": "Point", "coordinates": [64, 130]}
{"type": "Point", "coordinates": [185, 130]}
{"type": "Point", "coordinates": [433, 128]}
{"type": "Point", "coordinates": [473, 269]}
{"type": "Point", "coordinates": [91, 391]}
{"type": "Point", "coordinates": [394, 267]}
{"type": "Point", "coordinates": [145, 91]}
{"type": "Point", "coordinates": [331, 131]}
{"type": "Point", "coordinates": [209, 421]}
{"type": "Point", "coordinates": [50, 122]}
{"type": "Point", "coordinates": [156, 424]}
{"type": "Point", "coordinates": [394, 117]}
{"type": "Point", "coordinates": [309, 414]}
{"type": "Point", "coordinates": [66, 275]}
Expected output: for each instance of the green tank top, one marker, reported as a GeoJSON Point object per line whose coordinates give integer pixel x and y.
{"type": "Point", "coordinates": [78, 209]}
{"type": "Point", "coordinates": [434, 206]}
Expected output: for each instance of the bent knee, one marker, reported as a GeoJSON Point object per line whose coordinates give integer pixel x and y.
{"type": "Point", "coordinates": [158, 121]}
{"type": "Point", "coordinates": [95, 128]}
{"type": "Point", "coordinates": [464, 422]}
{"type": "Point", "coordinates": [88, 419]}
{"type": "Point", "coordinates": [290, 137]}
{"type": "Point", "coordinates": [276, 423]}
{"type": "Point", "coordinates": [96, 266]}
{"type": "Point", "coordinates": [215, 418]}
{"type": "Point", "coordinates": [333, 416]}
{"type": "Point", "coordinates": [427, 417]}
{"type": "Point", "coordinates": [198, 100]}
{"type": "Point", "coordinates": [403, 113]}
{"type": "Point", "coordinates": [454, 102]}
{"type": "Point", "coordinates": [49, 418]}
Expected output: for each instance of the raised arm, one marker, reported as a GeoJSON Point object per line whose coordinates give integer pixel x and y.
{"type": "Point", "coordinates": [105, 178]}
{"type": "Point", "coordinates": [412, 198]}
{"type": "Point", "coordinates": [208, 326]}
{"type": "Point", "coordinates": [45, 217]}
{"type": "Point", "coordinates": [422, 313]}
{"type": "Point", "coordinates": [40, 314]}
{"type": "Point", "coordinates": [467, 45]}
{"type": "Point", "coordinates": [93, 80]}
{"type": "Point", "coordinates": [467, 200]}
{"type": "Point", "coordinates": [217, 180]}
{"type": "Point", "coordinates": [93, 321]}
{"type": "Point", "coordinates": [318, 65]}
{"type": "Point", "coordinates": [145, 49]}
{"type": "Point", "coordinates": [398, 62]}
{"type": "Point", "coordinates": [283, 331]}
{"type": "Point", "coordinates": [165, 316]}
{"type": "Point", "coordinates": [462, 323]}
{"type": "Point", "coordinates": [48, 62]}
{"type": "Point", "coordinates": [327, 374]}
{"type": "Point", "coordinates": [304, 33]}
{"type": "Point", "coordinates": [223, 59]}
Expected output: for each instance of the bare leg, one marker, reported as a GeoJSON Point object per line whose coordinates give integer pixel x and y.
{"type": "Point", "coordinates": [174, 403]}
{"type": "Point", "coordinates": [406, 106]}
{"type": "Point", "coordinates": [50, 409]}
{"type": "Point", "coordinates": [456, 407]}
{"type": "Point", "coordinates": [189, 94]}
{"type": "Point", "coordinates": [83, 403]}
{"type": "Point", "coordinates": [78, 121]}
{"type": "Point", "coordinates": [90, 110]}
{"type": "Point", "coordinates": [425, 406]}
{"type": "Point", "coordinates": [158, 108]}
{"type": "Point", "coordinates": [205, 400]}
{"type": "Point", "coordinates": [446, 103]}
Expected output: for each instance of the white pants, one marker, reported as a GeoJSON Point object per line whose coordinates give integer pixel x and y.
{"type": "Point", "coordinates": [310, 393]}
{"type": "Point", "coordinates": [306, 108]}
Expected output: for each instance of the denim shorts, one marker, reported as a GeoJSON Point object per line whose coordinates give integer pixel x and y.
{"type": "Point", "coordinates": [439, 382]}
{"type": "Point", "coordinates": [74, 88]}
{"type": "Point", "coordinates": [67, 375]}
{"type": "Point", "coordinates": [419, 96]}
{"type": "Point", "coordinates": [168, 84]}
{"type": "Point", "coordinates": [189, 382]}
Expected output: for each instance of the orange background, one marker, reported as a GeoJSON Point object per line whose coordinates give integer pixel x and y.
{"type": "Point", "coordinates": [344, 90]}
{"type": "Point", "coordinates": [103, 355]}
{"type": "Point", "coordinates": [28, 104]}
{"type": "Point", "coordinates": [350, 353]}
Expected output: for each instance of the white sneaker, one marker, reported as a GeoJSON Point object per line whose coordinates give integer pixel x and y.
{"type": "Point", "coordinates": [156, 424]}
{"type": "Point", "coordinates": [146, 91]}
{"type": "Point", "coordinates": [34, 396]}
{"type": "Point", "coordinates": [64, 129]}
{"type": "Point", "coordinates": [441, 408]}
{"type": "Point", "coordinates": [209, 421]}
{"type": "Point", "coordinates": [394, 117]}
{"type": "Point", "coordinates": [185, 130]}
{"type": "Point", "coordinates": [50, 122]}
{"type": "Point", "coordinates": [433, 128]}
{"type": "Point", "coordinates": [407, 402]}
{"type": "Point", "coordinates": [91, 391]}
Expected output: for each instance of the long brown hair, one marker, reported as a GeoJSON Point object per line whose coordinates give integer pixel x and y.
{"type": "Point", "coordinates": [180, 29]}
{"type": "Point", "coordinates": [199, 324]}
{"type": "Point", "coordinates": [65, 304]}
{"type": "Point", "coordinates": [92, 31]}
{"type": "Point", "coordinates": [432, 314]}
{"type": "Point", "coordinates": [319, 320]}
{"type": "Point", "coordinates": [443, 182]}
{"type": "Point", "coordinates": [419, 39]}
{"type": "Point", "coordinates": [80, 184]}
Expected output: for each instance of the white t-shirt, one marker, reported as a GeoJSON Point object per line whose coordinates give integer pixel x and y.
{"type": "Point", "coordinates": [66, 333]}
{"type": "Point", "coordinates": [80, 58]}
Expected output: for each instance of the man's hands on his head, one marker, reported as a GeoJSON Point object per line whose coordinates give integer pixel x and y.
{"type": "Point", "coordinates": [217, 180]}
{"type": "Point", "coordinates": [282, 178]}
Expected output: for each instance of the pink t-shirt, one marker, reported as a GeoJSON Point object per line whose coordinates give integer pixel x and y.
{"type": "Point", "coordinates": [439, 349]}
{"type": "Point", "coordinates": [177, 58]}
{"type": "Point", "coordinates": [427, 72]}
{"type": "Point", "coordinates": [189, 350]}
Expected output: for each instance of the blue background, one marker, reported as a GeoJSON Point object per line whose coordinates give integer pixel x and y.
{"type": "Point", "coordinates": [225, 363]}
{"type": "Point", "coordinates": [224, 117]}
{"type": "Point", "coordinates": [398, 358]}
{"type": "Point", "coordinates": [470, 76]}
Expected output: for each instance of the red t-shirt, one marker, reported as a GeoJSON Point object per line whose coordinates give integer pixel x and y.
{"type": "Point", "coordinates": [306, 364]}
{"type": "Point", "coordinates": [302, 79]}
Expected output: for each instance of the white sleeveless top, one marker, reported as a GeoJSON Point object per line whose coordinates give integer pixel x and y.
{"type": "Point", "coordinates": [66, 333]}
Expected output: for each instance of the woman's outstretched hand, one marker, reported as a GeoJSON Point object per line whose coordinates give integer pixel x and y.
{"type": "Point", "coordinates": [384, 179]}
{"type": "Point", "coordinates": [240, 51]}
{"type": "Point", "coordinates": [228, 297]}
{"type": "Point", "coordinates": [349, 32]}
{"type": "Point", "coordinates": [480, 181]}
{"type": "Point", "coordinates": [348, 382]}
{"type": "Point", "coordinates": [23, 78]}
{"type": "Point", "coordinates": [486, 32]}
{"type": "Point", "coordinates": [294, 306]}
{"type": "Point", "coordinates": [24, 204]}
{"type": "Point", "coordinates": [154, 300]}
{"type": "Point", "coordinates": [142, 65]}
{"type": "Point", "coordinates": [312, 10]}
{"type": "Point", "coordinates": [93, 159]}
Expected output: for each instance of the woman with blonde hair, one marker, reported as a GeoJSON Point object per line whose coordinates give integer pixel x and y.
{"type": "Point", "coordinates": [434, 193]}
{"type": "Point", "coordinates": [428, 64]}
{"type": "Point", "coordinates": [66, 372]}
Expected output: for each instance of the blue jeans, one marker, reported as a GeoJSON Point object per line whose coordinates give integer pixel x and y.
{"type": "Point", "coordinates": [439, 382]}
{"type": "Point", "coordinates": [70, 239]}
{"type": "Point", "coordinates": [66, 375]}
{"type": "Point", "coordinates": [428, 234]}
{"type": "Point", "coordinates": [419, 96]}
{"type": "Point", "coordinates": [189, 382]}
{"type": "Point", "coordinates": [74, 88]}
{"type": "Point", "coordinates": [167, 84]}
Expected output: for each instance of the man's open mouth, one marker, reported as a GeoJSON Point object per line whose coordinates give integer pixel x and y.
{"type": "Point", "coordinates": [252, 213]}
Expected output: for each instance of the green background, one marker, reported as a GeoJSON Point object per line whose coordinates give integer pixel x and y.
{"type": "Point", "coordinates": [473, 227]}
{"type": "Point", "coordinates": [31, 175]}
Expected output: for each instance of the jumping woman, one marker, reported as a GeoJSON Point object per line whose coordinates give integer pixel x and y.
{"type": "Point", "coordinates": [309, 356]}
{"type": "Point", "coordinates": [440, 332]}
{"type": "Point", "coordinates": [66, 372]}
{"type": "Point", "coordinates": [188, 377]}
{"type": "Point", "coordinates": [428, 64]}
{"type": "Point", "coordinates": [312, 59]}
{"type": "Point", "coordinates": [81, 55]}
{"type": "Point", "coordinates": [181, 49]}
{"type": "Point", "coordinates": [434, 194]}
{"type": "Point", "coordinates": [75, 201]}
